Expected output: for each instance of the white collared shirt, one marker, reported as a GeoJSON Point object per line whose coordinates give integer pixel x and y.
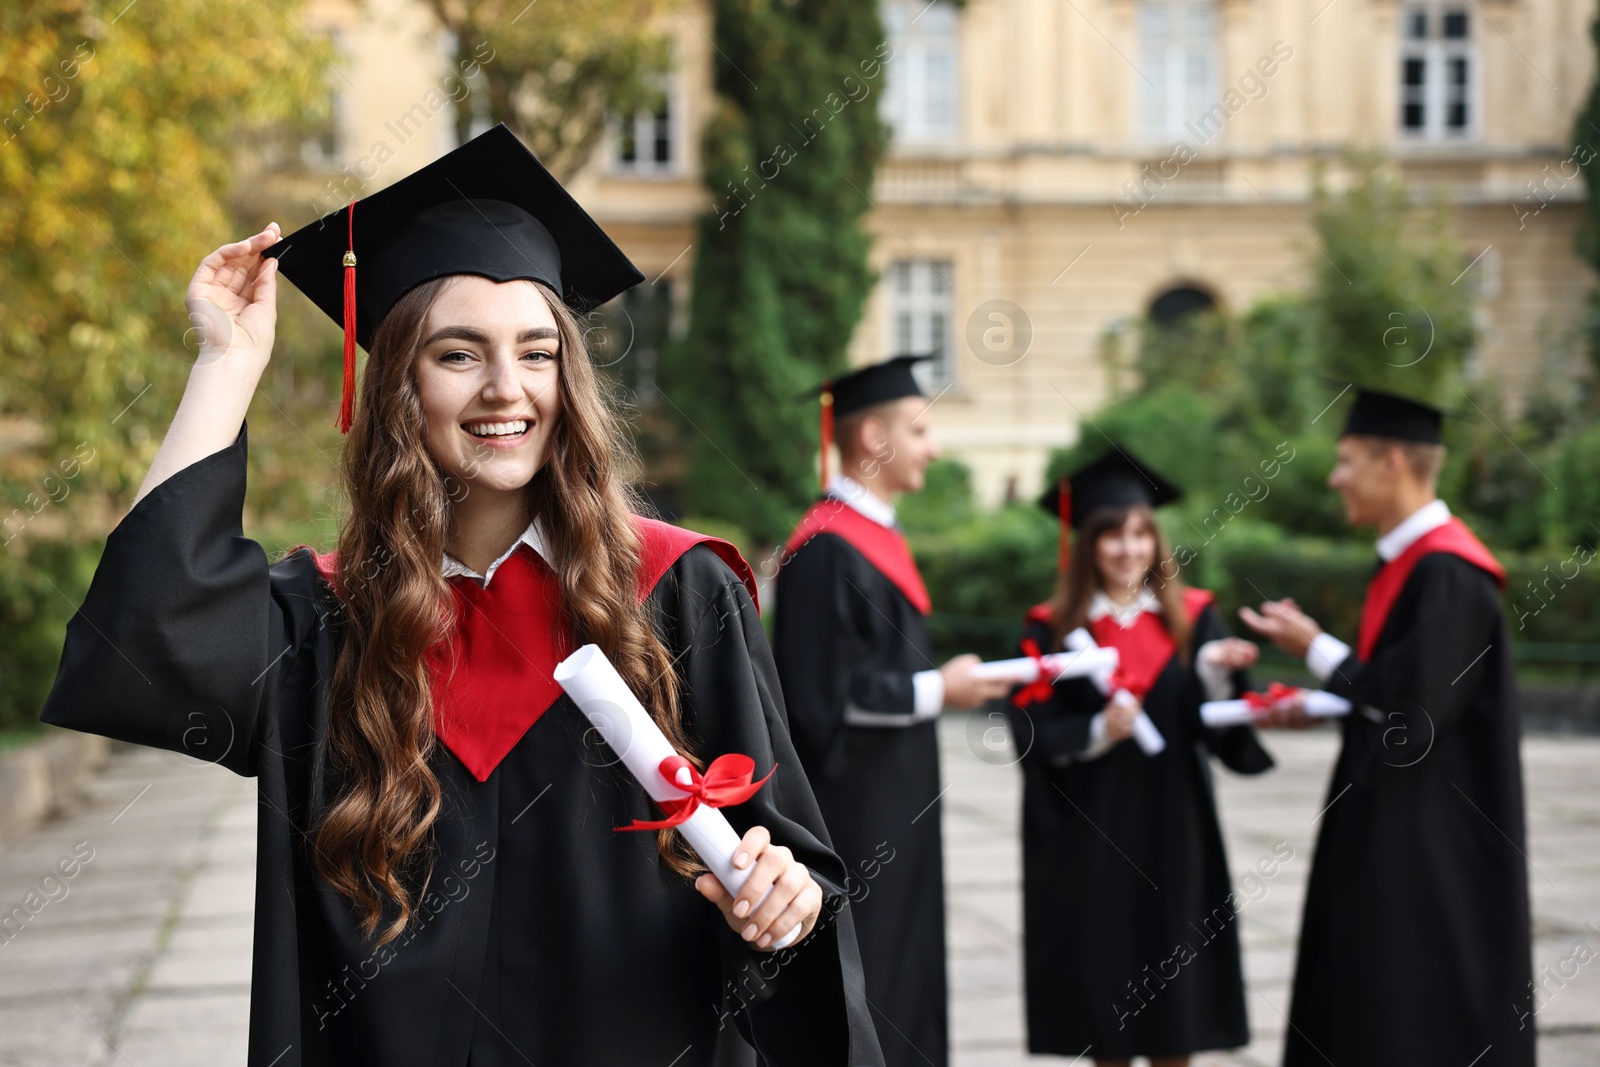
{"type": "Point", "coordinates": [860, 498]}
{"type": "Point", "coordinates": [533, 537]}
{"type": "Point", "coordinates": [1125, 614]}
{"type": "Point", "coordinates": [927, 686]}
{"type": "Point", "coordinates": [1327, 651]}
{"type": "Point", "coordinates": [1428, 517]}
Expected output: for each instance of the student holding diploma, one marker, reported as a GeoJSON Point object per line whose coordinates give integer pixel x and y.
{"type": "Point", "coordinates": [439, 879]}
{"type": "Point", "coordinates": [1414, 947]}
{"type": "Point", "coordinates": [863, 695]}
{"type": "Point", "coordinates": [1130, 941]}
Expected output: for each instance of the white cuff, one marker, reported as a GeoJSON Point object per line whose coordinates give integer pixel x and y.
{"type": "Point", "coordinates": [1099, 744]}
{"type": "Point", "coordinates": [1215, 679]}
{"type": "Point", "coordinates": [927, 694]}
{"type": "Point", "coordinates": [1325, 655]}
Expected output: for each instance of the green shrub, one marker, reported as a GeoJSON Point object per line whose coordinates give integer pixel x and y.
{"type": "Point", "coordinates": [41, 585]}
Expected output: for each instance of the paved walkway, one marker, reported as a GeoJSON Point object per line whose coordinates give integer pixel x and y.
{"type": "Point", "coordinates": [141, 957]}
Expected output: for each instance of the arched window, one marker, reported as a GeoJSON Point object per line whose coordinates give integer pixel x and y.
{"type": "Point", "coordinates": [1179, 301]}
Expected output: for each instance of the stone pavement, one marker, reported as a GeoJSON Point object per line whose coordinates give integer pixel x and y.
{"type": "Point", "coordinates": [142, 955]}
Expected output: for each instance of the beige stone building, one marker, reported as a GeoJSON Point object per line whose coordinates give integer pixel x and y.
{"type": "Point", "coordinates": [1061, 168]}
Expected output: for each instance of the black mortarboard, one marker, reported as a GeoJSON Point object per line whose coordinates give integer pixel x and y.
{"type": "Point", "coordinates": [487, 208]}
{"type": "Point", "coordinates": [1378, 414]}
{"type": "Point", "coordinates": [877, 384]}
{"type": "Point", "coordinates": [1113, 479]}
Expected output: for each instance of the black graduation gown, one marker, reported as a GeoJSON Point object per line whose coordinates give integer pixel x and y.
{"type": "Point", "coordinates": [846, 635]}
{"type": "Point", "coordinates": [544, 937]}
{"type": "Point", "coordinates": [1415, 942]}
{"type": "Point", "coordinates": [1130, 938]}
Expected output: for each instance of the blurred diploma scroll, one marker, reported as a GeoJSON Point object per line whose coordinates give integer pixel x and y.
{"type": "Point", "coordinates": [611, 707]}
{"type": "Point", "coordinates": [1086, 663]}
{"type": "Point", "coordinates": [1145, 734]}
{"type": "Point", "coordinates": [1319, 705]}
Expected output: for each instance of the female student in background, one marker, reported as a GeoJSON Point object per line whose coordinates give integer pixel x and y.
{"type": "Point", "coordinates": [1130, 938]}
{"type": "Point", "coordinates": [439, 878]}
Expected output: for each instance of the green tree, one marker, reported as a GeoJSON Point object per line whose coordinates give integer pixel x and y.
{"type": "Point", "coordinates": [124, 131]}
{"type": "Point", "coordinates": [1393, 310]}
{"type": "Point", "coordinates": [558, 68]}
{"type": "Point", "coordinates": [781, 258]}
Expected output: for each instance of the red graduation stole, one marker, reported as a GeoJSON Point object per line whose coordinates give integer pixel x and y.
{"type": "Point", "coordinates": [1144, 648]}
{"type": "Point", "coordinates": [495, 677]}
{"type": "Point", "coordinates": [1453, 537]}
{"type": "Point", "coordinates": [884, 548]}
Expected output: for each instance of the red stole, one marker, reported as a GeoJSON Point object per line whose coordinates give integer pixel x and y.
{"type": "Point", "coordinates": [1143, 648]}
{"type": "Point", "coordinates": [495, 677]}
{"type": "Point", "coordinates": [883, 547]}
{"type": "Point", "coordinates": [1453, 537]}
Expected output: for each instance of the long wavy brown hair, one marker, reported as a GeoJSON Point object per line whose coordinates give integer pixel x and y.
{"type": "Point", "coordinates": [1076, 587]}
{"type": "Point", "coordinates": [373, 839]}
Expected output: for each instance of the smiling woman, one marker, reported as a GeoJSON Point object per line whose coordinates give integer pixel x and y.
{"type": "Point", "coordinates": [395, 699]}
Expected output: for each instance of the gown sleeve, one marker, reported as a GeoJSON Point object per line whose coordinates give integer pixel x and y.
{"type": "Point", "coordinates": [1428, 676]}
{"type": "Point", "coordinates": [1238, 747]}
{"type": "Point", "coordinates": [804, 1004]}
{"type": "Point", "coordinates": [823, 636]}
{"type": "Point", "coordinates": [186, 631]}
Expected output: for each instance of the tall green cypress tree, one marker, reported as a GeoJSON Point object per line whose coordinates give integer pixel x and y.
{"type": "Point", "coordinates": [781, 258]}
{"type": "Point", "coordinates": [1586, 153]}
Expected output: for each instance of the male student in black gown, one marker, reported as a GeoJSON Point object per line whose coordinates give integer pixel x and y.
{"type": "Point", "coordinates": [863, 694]}
{"type": "Point", "coordinates": [1414, 948]}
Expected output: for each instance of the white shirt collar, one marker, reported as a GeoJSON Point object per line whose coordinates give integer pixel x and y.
{"type": "Point", "coordinates": [861, 499]}
{"type": "Point", "coordinates": [1429, 516]}
{"type": "Point", "coordinates": [533, 537]}
{"type": "Point", "coordinates": [1102, 605]}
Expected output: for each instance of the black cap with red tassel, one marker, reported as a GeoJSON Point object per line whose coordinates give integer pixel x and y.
{"type": "Point", "coordinates": [347, 401]}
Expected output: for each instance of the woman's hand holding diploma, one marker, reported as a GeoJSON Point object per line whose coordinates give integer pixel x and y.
{"type": "Point", "coordinates": [795, 900]}
{"type": "Point", "coordinates": [233, 306]}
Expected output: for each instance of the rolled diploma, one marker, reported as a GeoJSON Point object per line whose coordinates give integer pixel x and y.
{"type": "Point", "coordinates": [1320, 704]}
{"type": "Point", "coordinates": [611, 707]}
{"type": "Point", "coordinates": [1145, 734]}
{"type": "Point", "coordinates": [1088, 661]}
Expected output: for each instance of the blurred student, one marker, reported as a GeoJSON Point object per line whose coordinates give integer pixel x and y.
{"type": "Point", "coordinates": [1414, 947]}
{"type": "Point", "coordinates": [1130, 938]}
{"type": "Point", "coordinates": [863, 694]}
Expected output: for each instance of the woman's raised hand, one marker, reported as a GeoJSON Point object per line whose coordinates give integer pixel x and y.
{"type": "Point", "coordinates": [232, 302]}
{"type": "Point", "coordinates": [795, 900]}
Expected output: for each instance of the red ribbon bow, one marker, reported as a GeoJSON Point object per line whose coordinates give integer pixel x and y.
{"type": "Point", "coordinates": [1041, 687]}
{"type": "Point", "coordinates": [725, 782]}
{"type": "Point", "coordinates": [1276, 694]}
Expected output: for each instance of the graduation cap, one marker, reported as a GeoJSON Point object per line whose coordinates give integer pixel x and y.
{"type": "Point", "coordinates": [1380, 414]}
{"type": "Point", "coordinates": [487, 208]}
{"type": "Point", "coordinates": [1115, 478]}
{"type": "Point", "coordinates": [876, 384]}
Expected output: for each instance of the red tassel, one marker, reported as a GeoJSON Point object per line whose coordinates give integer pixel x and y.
{"type": "Point", "coordinates": [348, 400]}
{"type": "Point", "coordinates": [1064, 538]}
{"type": "Point", "coordinates": [827, 429]}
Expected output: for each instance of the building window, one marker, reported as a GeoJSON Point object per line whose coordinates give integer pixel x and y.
{"type": "Point", "coordinates": [647, 142]}
{"type": "Point", "coordinates": [1177, 76]}
{"type": "Point", "coordinates": [919, 317]}
{"type": "Point", "coordinates": [1176, 304]}
{"type": "Point", "coordinates": [922, 91]}
{"type": "Point", "coordinates": [1438, 72]}
{"type": "Point", "coordinates": [324, 148]}
{"type": "Point", "coordinates": [627, 336]}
